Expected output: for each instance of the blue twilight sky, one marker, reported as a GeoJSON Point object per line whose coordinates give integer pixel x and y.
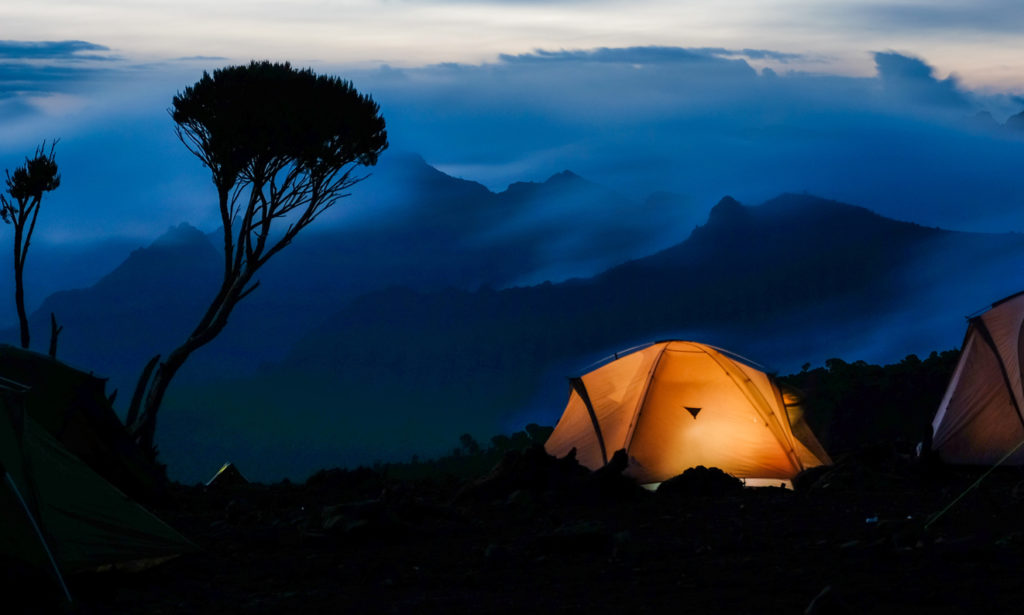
{"type": "Point", "coordinates": [874, 103]}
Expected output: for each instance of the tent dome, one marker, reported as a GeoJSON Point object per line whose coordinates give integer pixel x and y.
{"type": "Point", "coordinates": [674, 405]}
{"type": "Point", "coordinates": [981, 416]}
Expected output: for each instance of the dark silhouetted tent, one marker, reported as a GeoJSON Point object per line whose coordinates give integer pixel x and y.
{"type": "Point", "coordinates": [227, 476]}
{"type": "Point", "coordinates": [981, 416]}
{"type": "Point", "coordinates": [72, 406]}
{"type": "Point", "coordinates": [61, 516]}
{"type": "Point", "coordinates": [675, 405]}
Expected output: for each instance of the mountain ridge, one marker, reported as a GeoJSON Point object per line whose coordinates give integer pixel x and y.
{"type": "Point", "coordinates": [457, 233]}
{"type": "Point", "coordinates": [389, 337]}
{"type": "Point", "coordinates": [430, 363]}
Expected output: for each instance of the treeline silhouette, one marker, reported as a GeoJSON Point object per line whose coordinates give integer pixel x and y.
{"type": "Point", "coordinates": [853, 405]}
{"type": "Point", "coordinates": [850, 406]}
{"type": "Point", "coordinates": [469, 460]}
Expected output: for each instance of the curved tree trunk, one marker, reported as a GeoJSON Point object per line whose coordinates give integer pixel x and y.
{"type": "Point", "coordinates": [19, 283]}
{"type": "Point", "coordinates": [19, 300]}
{"type": "Point", "coordinates": [210, 326]}
{"type": "Point", "coordinates": [146, 427]}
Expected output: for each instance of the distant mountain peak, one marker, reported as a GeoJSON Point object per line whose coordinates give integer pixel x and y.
{"type": "Point", "coordinates": [1016, 122]}
{"type": "Point", "coordinates": [405, 156]}
{"type": "Point", "coordinates": [728, 202]}
{"type": "Point", "coordinates": [808, 206]}
{"type": "Point", "coordinates": [563, 178]}
{"type": "Point", "coordinates": [181, 235]}
{"type": "Point", "coordinates": [727, 210]}
{"type": "Point", "coordinates": [565, 175]}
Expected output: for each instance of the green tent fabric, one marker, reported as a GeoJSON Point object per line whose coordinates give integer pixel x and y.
{"type": "Point", "coordinates": [24, 551]}
{"type": "Point", "coordinates": [22, 541]}
{"type": "Point", "coordinates": [85, 522]}
{"type": "Point", "coordinates": [72, 406]}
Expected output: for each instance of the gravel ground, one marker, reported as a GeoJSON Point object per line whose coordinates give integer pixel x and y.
{"type": "Point", "coordinates": [546, 536]}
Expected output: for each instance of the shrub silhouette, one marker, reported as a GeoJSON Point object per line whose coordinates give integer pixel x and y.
{"type": "Point", "coordinates": [25, 187]}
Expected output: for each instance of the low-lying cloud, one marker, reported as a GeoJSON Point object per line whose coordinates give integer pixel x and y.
{"type": "Point", "coordinates": [913, 81]}
{"type": "Point", "coordinates": [705, 122]}
{"type": "Point", "coordinates": [701, 122]}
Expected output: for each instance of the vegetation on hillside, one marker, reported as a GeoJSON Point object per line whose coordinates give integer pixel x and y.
{"type": "Point", "coordinates": [851, 405]}
{"type": "Point", "coordinates": [469, 459]}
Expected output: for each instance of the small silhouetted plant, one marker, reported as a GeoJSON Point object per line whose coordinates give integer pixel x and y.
{"type": "Point", "coordinates": [19, 207]}
{"type": "Point", "coordinates": [282, 146]}
{"type": "Point", "coordinates": [468, 445]}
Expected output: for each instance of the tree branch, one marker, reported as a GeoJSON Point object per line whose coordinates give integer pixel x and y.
{"type": "Point", "coordinates": [245, 293]}
{"type": "Point", "coordinates": [54, 332]}
{"type": "Point", "coordinates": [140, 390]}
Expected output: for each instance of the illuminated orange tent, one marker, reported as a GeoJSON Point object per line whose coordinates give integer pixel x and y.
{"type": "Point", "coordinates": [675, 405]}
{"type": "Point", "coordinates": [981, 416]}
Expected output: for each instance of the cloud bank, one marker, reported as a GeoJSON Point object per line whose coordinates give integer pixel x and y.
{"type": "Point", "coordinates": [704, 122]}
{"type": "Point", "coordinates": [51, 50]}
{"type": "Point", "coordinates": [700, 122]}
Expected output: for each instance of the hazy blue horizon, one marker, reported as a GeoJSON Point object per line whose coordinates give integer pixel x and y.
{"type": "Point", "coordinates": [905, 141]}
{"type": "Point", "coordinates": [901, 108]}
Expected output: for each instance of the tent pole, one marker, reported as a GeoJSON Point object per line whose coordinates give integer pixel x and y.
{"type": "Point", "coordinates": [39, 534]}
{"type": "Point", "coordinates": [581, 390]}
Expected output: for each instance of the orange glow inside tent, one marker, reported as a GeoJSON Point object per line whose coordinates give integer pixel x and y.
{"type": "Point", "coordinates": [675, 405]}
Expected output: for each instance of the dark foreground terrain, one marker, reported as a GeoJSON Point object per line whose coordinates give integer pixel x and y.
{"type": "Point", "coordinates": [545, 536]}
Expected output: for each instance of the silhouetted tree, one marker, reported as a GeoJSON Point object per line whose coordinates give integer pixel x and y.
{"type": "Point", "coordinates": [20, 208]}
{"type": "Point", "coordinates": [468, 444]}
{"type": "Point", "coordinates": [539, 434]}
{"type": "Point", "coordinates": [282, 146]}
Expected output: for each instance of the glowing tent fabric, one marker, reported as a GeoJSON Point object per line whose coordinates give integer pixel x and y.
{"type": "Point", "coordinates": [981, 416]}
{"type": "Point", "coordinates": [676, 405]}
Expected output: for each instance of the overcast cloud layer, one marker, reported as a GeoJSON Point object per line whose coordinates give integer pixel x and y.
{"type": "Point", "coordinates": [702, 122]}
{"type": "Point", "coordinates": [979, 39]}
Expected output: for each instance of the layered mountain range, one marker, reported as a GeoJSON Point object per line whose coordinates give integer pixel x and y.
{"type": "Point", "coordinates": [407, 225]}
{"type": "Point", "coordinates": [422, 312]}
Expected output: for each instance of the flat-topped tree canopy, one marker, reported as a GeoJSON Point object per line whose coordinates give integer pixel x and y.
{"type": "Point", "coordinates": [242, 118]}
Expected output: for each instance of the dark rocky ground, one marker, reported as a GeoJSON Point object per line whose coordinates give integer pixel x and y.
{"type": "Point", "coordinates": [546, 536]}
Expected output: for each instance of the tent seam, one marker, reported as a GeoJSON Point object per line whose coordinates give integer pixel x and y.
{"type": "Point", "coordinates": [643, 399]}
{"type": "Point", "coordinates": [580, 389]}
{"type": "Point", "coordinates": [744, 390]}
{"type": "Point", "coordinates": [987, 336]}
